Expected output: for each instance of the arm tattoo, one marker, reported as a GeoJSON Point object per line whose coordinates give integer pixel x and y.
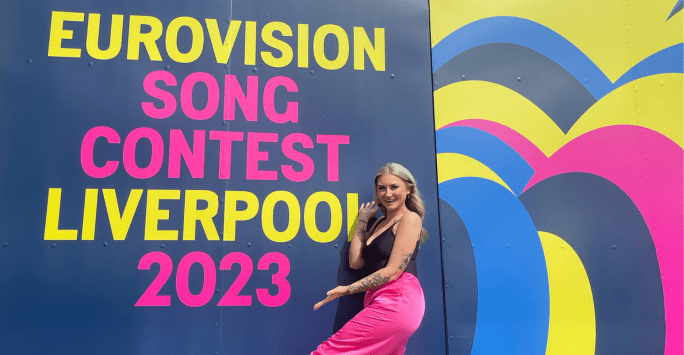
{"type": "Point", "coordinates": [405, 260]}
{"type": "Point", "coordinates": [360, 227]}
{"type": "Point", "coordinates": [367, 283]}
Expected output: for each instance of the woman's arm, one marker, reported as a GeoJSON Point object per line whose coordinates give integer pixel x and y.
{"type": "Point", "coordinates": [366, 212]}
{"type": "Point", "coordinates": [355, 259]}
{"type": "Point", "coordinates": [408, 232]}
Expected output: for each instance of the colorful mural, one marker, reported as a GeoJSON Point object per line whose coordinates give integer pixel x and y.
{"type": "Point", "coordinates": [559, 133]}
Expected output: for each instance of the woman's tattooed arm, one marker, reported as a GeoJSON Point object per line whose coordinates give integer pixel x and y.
{"type": "Point", "coordinates": [405, 260]}
{"type": "Point", "coordinates": [377, 279]}
{"type": "Point", "coordinates": [367, 283]}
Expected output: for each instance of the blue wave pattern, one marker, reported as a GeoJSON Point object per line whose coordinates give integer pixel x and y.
{"type": "Point", "coordinates": [530, 34]}
{"type": "Point", "coordinates": [489, 150]}
{"type": "Point", "coordinates": [512, 261]}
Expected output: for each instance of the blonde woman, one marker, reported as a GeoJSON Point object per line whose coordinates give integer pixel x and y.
{"type": "Point", "coordinates": [393, 303]}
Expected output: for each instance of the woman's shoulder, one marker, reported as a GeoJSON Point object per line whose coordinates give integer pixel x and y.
{"type": "Point", "coordinates": [412, 217]}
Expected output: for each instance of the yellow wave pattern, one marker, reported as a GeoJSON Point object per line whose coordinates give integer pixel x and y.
{"type": "Point", "coordinates": [614, 34]}
{"type": "Point", "coordinates": [493, 102]}
{"type": "Point", "coordinates": [654, 102]}
{"type": "Point", "coordinates": [454, 165]}
{"type": "Point", "coordinates": [572, 319]}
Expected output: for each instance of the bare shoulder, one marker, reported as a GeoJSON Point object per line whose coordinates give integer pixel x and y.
{"type": "Point", "coordinates": [411, 219]}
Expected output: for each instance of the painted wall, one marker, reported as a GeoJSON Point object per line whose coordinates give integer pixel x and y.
{"type": "Point", "coordinates": [559, 150]}
{"type": "Point", "coordinates": [133, 205]}
{"type": "Point", "coordinates": [178, 177]}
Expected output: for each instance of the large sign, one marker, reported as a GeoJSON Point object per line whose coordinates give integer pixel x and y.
{"type": "Point", "coordinates": [181, 177]}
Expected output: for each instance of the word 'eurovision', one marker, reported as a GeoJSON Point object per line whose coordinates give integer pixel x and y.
{"type": "Point", "coordinates": [62, 28]}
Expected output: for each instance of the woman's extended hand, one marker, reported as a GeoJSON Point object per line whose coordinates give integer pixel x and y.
{"type": "Point", "coordinates": [333, 294]}
{"type": "Point", "coordinates": [368, 210]}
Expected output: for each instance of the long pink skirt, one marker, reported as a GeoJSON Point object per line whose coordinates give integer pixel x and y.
{"type": "Point", "coordinates": [391, 314]}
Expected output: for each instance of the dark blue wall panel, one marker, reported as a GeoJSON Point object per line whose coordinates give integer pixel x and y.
{"type": "Point", "coordinates": [77, 297]}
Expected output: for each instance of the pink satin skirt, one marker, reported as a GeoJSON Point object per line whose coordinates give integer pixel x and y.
{"type": "Point", "coordinates": [391, 314]}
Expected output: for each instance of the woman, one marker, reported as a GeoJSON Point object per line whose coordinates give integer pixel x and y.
{"type": "Point", "coordinates": [394, 303]}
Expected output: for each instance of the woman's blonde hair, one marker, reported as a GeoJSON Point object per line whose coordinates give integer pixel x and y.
{"type": "Point", "coordinates": [413, 201]}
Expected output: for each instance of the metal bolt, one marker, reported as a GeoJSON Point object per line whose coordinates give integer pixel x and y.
{"type": "Point", "coordinates": [288, 245]}
{"type": "Point", "coordinates": [312, 72]}
{"type": "Point", "coordinates": [463, 77]}
{"type": "Point", "coordinates": [519, 78]}
{"type": "Point", "coordinates": [443, 239]}
{"type": "Point", "coordinates": [167, 67]}
{"type": "Point", "coordinates": [614, 246]}
{"type": "Point", "coordinates": [447, 286]}
{"type": "Point", "coordinates": [323, 117]}
{"type": "Point", "coordinates": [451, 337]}
{"type": "Point", "coordinates": [53, 245]}
{"type": "Point", "coordinates": [254, 69]}
{"type": "Point", "coordinates": [392, 76]}
{"type": "Point", "coordinates": [162, 245]}
{"type": "Point", "coordinates": [104, 244]}
{"type": "Point", "coordinates": [90, 64]}
{"type": "Point", "coordinates": [249, 244]}
{"type": "Point", "coordinates": [335, 246]}
{"type": "Point", "coordinates": [28, 61]}
{"type": "Point", "coordinates": [5, 244]}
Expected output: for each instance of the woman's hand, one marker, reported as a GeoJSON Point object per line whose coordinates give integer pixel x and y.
{"type": "Point", "coordinates": [367, 210]}
{"type": "Point", "coordinates": [333, 294]}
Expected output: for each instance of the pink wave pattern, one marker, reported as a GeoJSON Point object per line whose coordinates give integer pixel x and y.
{"type": "Point", "coordinates": [647, 166]}
{"type": "Point", "coordinates": [527, 150]}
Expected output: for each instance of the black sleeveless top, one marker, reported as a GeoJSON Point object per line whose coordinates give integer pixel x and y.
{"type": "Point", "coordinates": [377, 254]}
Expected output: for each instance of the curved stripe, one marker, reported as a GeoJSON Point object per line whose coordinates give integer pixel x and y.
{"type": "Point", "coordinates": [513, 289]}
{"type": "Point", "coordinates": [489, 150]}
{"type": "Point", "coordinates": [614, 35]}
{"type": "Point", "coordinates": [492, 102]}
{"type": "Point", "coordinates": [460, 277]}
{"type": "Point", "coordinates": [668, 60]}
{"type": "Point", "coordinates": [541, 80]}
{"type": "Point", "coordinates": [605, 229]}
{"type": "Point", "coordinates": [453, 166]}
{"type": "Point", "coordinates": [648, 168]}
{"type": "Point", "coordinates": [678, 7]}
{"type": "Point", "coordinates": [659, 107]}
{"type": "Point", "coordinates": [515, 140]}
{"type": "Point", "coordinates": [572, 321]}
{"type": "Point", "coordinates": [523, 32]}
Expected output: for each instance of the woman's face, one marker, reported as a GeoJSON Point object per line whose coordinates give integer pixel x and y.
{"type": "Point", "coordinates": [391, 191]}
